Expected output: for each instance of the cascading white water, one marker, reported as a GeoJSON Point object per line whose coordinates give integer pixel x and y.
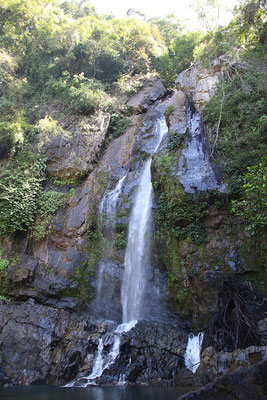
{"type": "Point", "coordinates": [137, 261]}
{"type": "Point", "coordinates": [98, 365]}
{"type": "Point", "coordinates": [192, 353]}
{"type": "Point", "coordinates": [108, 204]}
{"type": "Point", "coordinates": [102, 363]}
{"type": "Point", "coordinates": [137, 256]}
{"type": "Point", "coordinates": [195, 168]}
{"type": "Point", "coordinates": [107, 217]}
{"type": "Point", "coordinates": [97, 368]}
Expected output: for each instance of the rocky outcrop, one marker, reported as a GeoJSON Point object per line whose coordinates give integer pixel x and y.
{"type": "Point", "coordinates": [72, 156]}
{"type": "Point", "coordinates": [199, 82]}
{"type": "Point", "coordinates": [245, 383]}
{"type": "Point", "coordinates": [152, 89]}
{"type": "Point", "coordinates": [59, 272]}
{"type": "Point", "coordinates": [31, 335]}
{"type": "Point", "coordinates": [151, 352]}
{"type": "Point", "coordinates": [43, 337]}
{"type": "Point", "coordinates": [215, 363]}
{"type": "Point", "coordinates": [200, 243]}
{"type": "Point", "coordinates": [41, 344]}
{"type": "Point", "coordinates": [187, 140]}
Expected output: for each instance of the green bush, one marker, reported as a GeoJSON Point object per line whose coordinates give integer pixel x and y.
{"type": "Point", "coordinates": [20, 187]}
{"type": "Point", "coordinates": [3, 262]}
{"type": "Point", "coordinates": [12, 134]}
{"type": "Point", "coordinates": [240, 101]}
{"type": "Point", "coordinates": [178, 214]}
{"type": "Point", "coordinates": [80, 94]}
{"type": "Point", "coordinates": [252, 208]}
{"type": "Point", "coordinates": [169, 110]}
{"type": "Point", "coordinates": [178, 58]}
{"type": "Point", "coordinates": [118, 125]}
{"type": "Point", "coordinates": [129, 85]}
{"type": "Point", "coordinates": [121, 240]}
{"type": "Point", "coordinates": [175, 140]}
{"type": "Point", "coordinates": [48, 204]}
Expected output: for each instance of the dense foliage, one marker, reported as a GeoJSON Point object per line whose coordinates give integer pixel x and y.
{"type": "Point", "coordinates": [178, 214]}
{"type": "Point", "coordinates": [253, 204]}
{"type": "Point", "coordinates": [237, 114]}
{"type": "Point", "coordinates": [64, 56]}
{"type": "Point", "coordinates": [20, 188]}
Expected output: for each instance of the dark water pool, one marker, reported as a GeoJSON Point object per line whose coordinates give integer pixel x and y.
{"type": "Point", "coordinates": [93, 393]}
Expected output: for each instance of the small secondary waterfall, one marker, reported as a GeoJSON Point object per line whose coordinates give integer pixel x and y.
{"type": "Point", "coordinates": [107, 217]}
{"type": "Point", "coordinates": [137, 256]}
{"type": "Point", "coordinates": [196, 170]}
{"type": "Point", "coordinates": [193, 349]}
{"type": "Point", "coordinates": [101, 363]}
{"type": "Point", "coordinates": [108, 205]}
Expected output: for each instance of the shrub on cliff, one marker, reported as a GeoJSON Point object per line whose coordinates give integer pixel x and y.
{"type": "Point", "coordinates": [12, 134]}
{"type": "Point", "coordinates": [252, 208]}
{"type": "Point", "coordinates": [20, 186]}
{"type": "Point", "coordinates": [80, 94]}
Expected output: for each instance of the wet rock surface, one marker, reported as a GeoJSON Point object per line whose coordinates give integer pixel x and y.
{"type": "Point", "coordinates": [151, 91]}
{"type": "Point", "coordinates": [41, 344]}
{"type": "Point", "coordinates": [28, 334]}
{"type": "Point", "coordinates": [151, 352]}
{"type": "Point", "coordinates": [244, 384]}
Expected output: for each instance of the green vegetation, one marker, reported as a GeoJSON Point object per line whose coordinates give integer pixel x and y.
{"type": "Point", "coordinates": [4, 263]}
{"type": "Point", "coordinates": [236, 115]}
{"type": "Point", "coordinates": [175, 140]}
{"type": "Point", "coordinates": [48, 204]}
{"type": "Point", "coordinates": [178, 214]}
{"type": "Point", "coordinates": [241, 140]}
{"type": "Point", "coordinates": [179, 57]}
{"type": "Point", "coordinates": [120, 240]}
{"type": "Point", "coordinates": [23, 203]}
{"type": "Point", "coordinates": [49, 128]}
{"type": "Point", "coordinates": [118, 125]}
{"type": "Point", "coordinates": [245, 33]}
{"type": "Point", "coordinates": [20, 189]}
{"type": "Point", "coordinates": [80, 94]}
{"type": "Point", "coordinates": [12, 134]}
{"type": "Point", "coordinates": [168, 112]}
{"type": "Point", "coordinates": [252, 207]}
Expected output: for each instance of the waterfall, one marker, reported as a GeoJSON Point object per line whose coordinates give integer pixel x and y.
{"type": "Point", "coordinates": [137, 262]}
{"type": "Point", "coordinates": [192, 353]}
{"type": "Point", "coordinates": [137, 256]}
{"type": "Point", "coordinates": [98, 365]}
{"type": "Point", "coordinates": [108, 205]}
{"type": "Point", "coordinates": [101, 362]}
{"type": "Point", "coordinates": [107, 217]}
{"type": "Point", "coordinates": [196, 171]}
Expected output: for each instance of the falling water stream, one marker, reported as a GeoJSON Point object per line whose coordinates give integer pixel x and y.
{"type": "Point", "coordinates": [192, 353]}
{"type": "Point", "coordinates": [137, 256]}
{"type": "Point", "coordinates": [137, 259]}
{"type": "Point", "coordinates": [108, 205]}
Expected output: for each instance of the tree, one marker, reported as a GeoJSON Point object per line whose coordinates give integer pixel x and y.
{"type": "Point", "coordinates": [179, 57]}
{"type": "Point", "coordinates": [208, 13]}
{"type": "Point", "coordinates": [170, 27]}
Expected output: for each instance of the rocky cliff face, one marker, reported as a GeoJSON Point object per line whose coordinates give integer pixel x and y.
{"type": "Point", "coordinates": [50, 330]}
